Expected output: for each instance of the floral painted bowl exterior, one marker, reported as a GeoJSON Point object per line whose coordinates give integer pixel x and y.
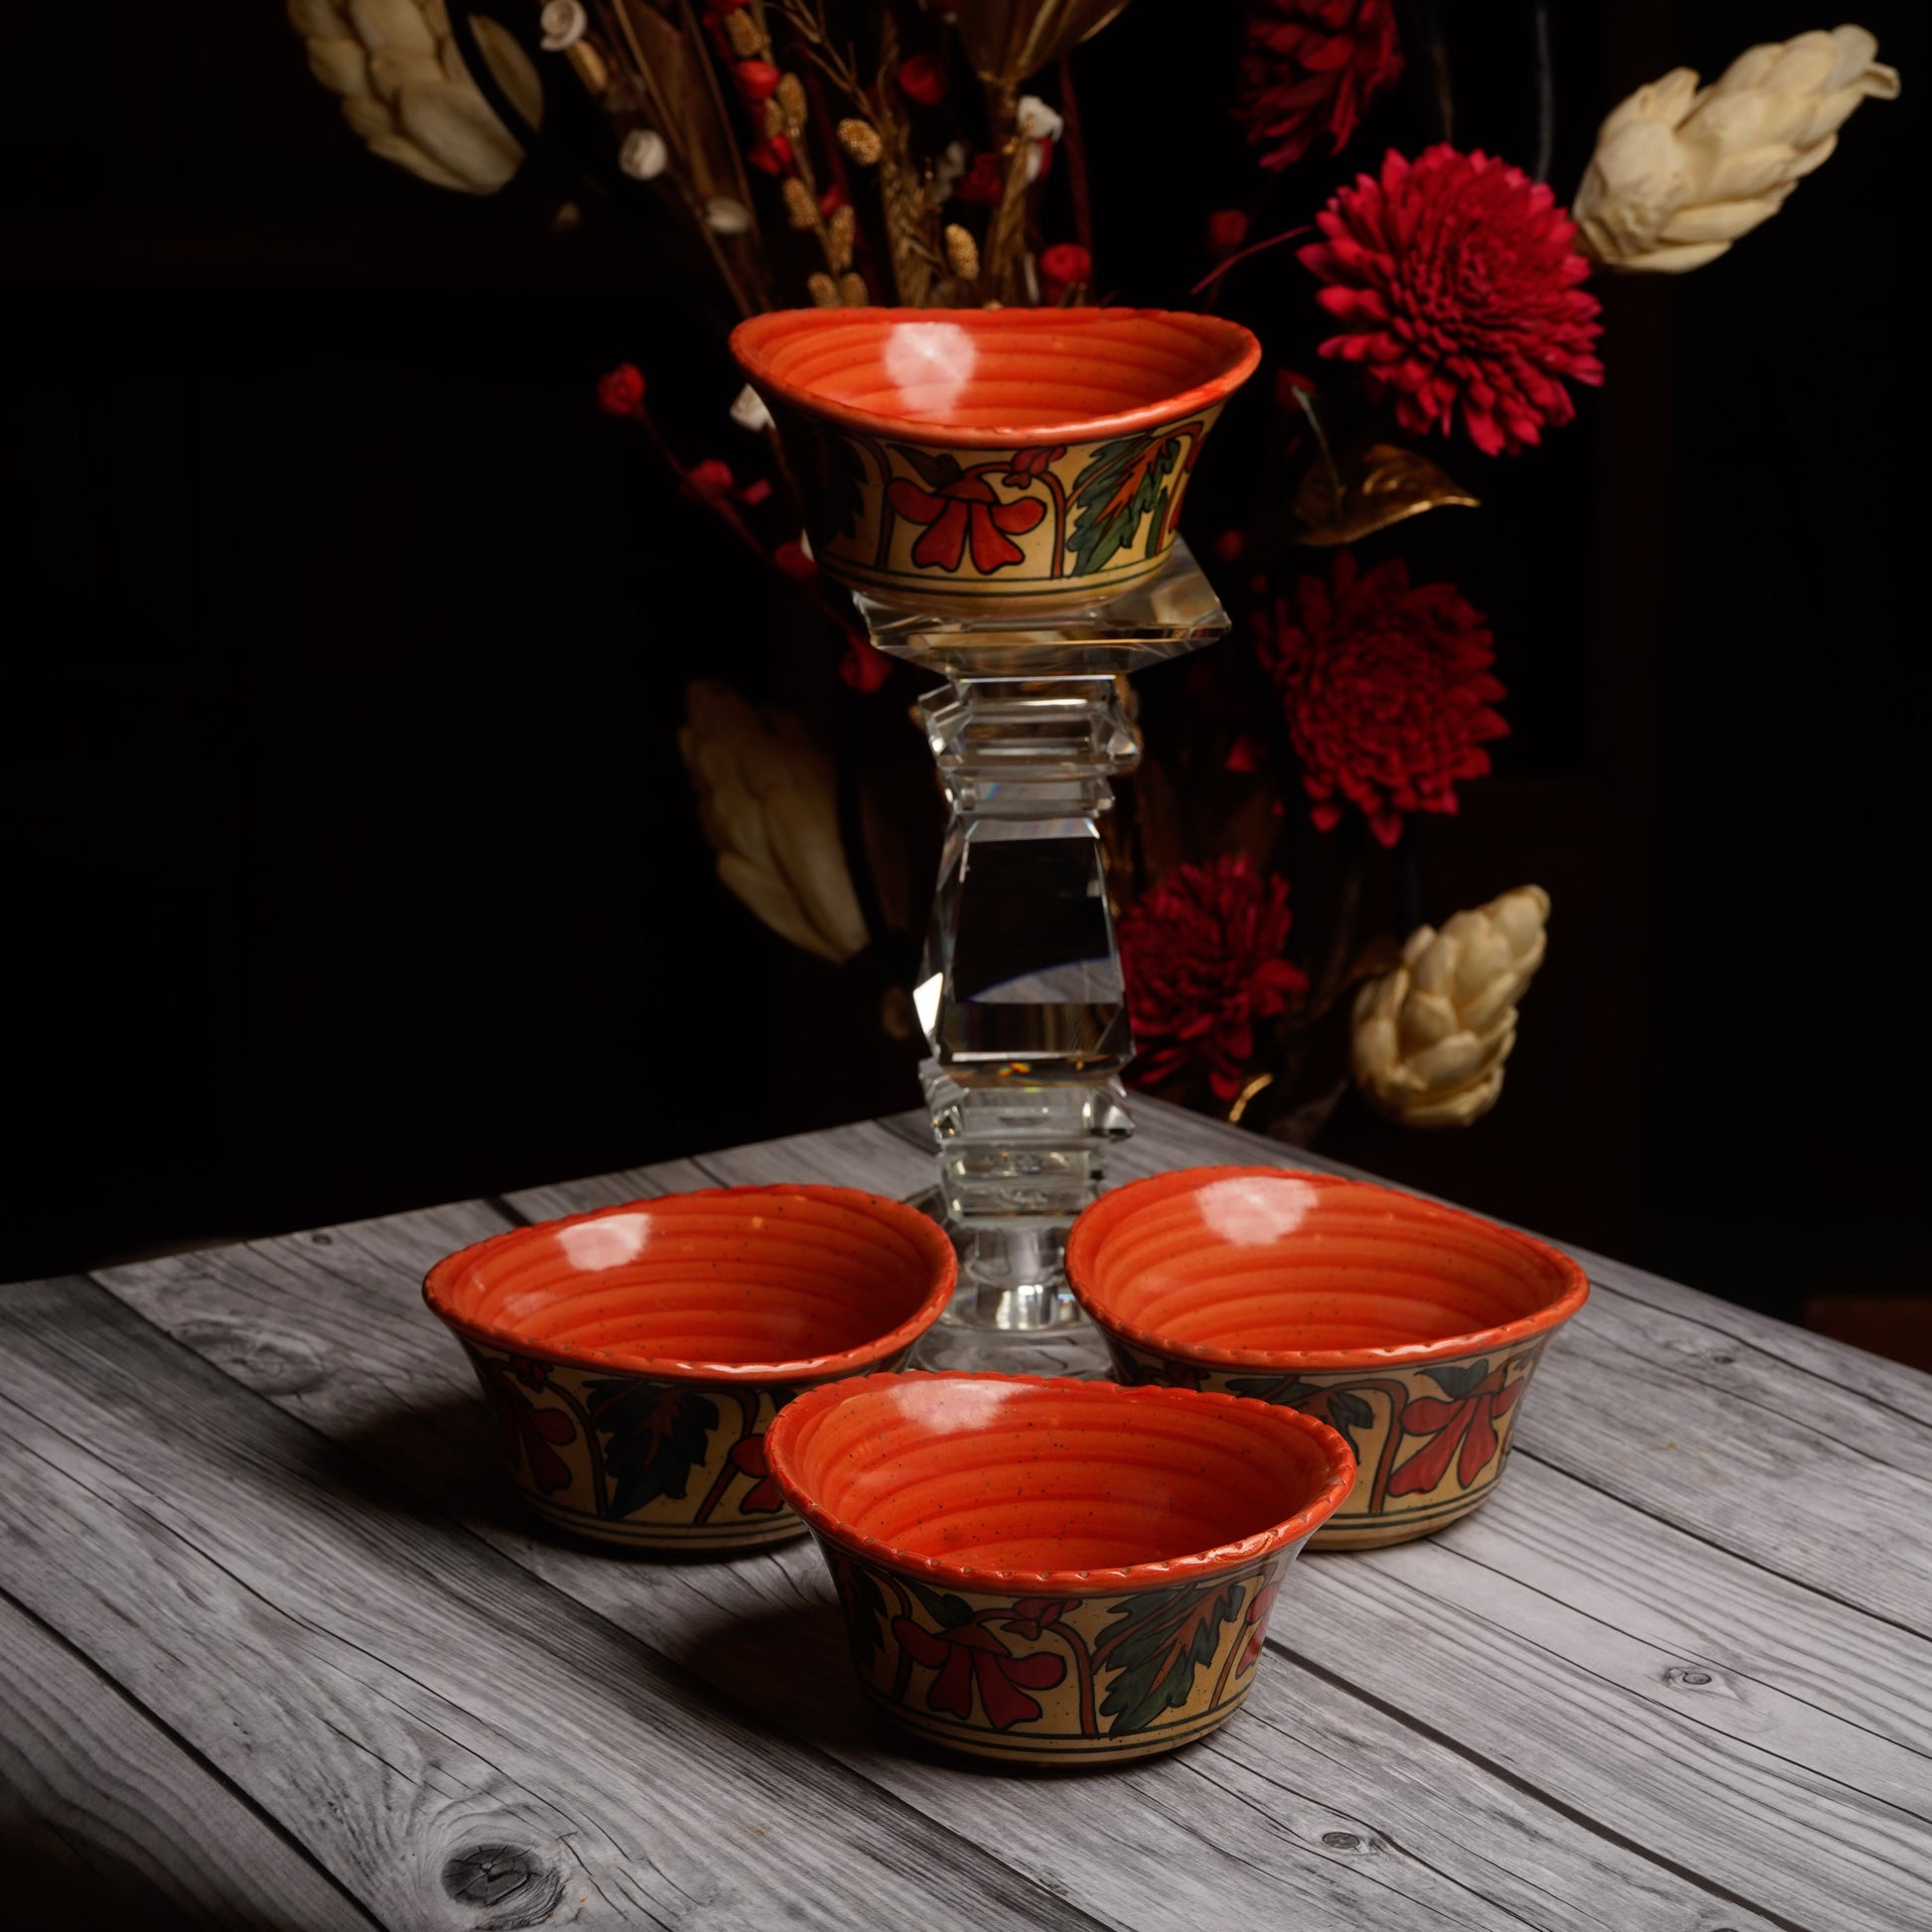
{"type": "Point", "coordinates": [968, 460]}
{"type": "Point", "coordinates": [1411, 1328]}
{"type": "Point", "coordinates": [633, 1359]}
{"type": "Point", "coordinates": [1015, 1585]}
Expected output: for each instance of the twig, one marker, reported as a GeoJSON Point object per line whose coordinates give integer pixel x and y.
{"type": "Point", "coordinates": [1215, 273]}
{"type": "Point", "coordinates": [1073, 146]}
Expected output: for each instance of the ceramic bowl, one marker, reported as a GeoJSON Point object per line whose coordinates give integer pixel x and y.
{"type": "Point", "coordinates": [1412, 1327]}
{"type": "Point", "coordinates": [634, 1357]}
{"type": "Point", "coordinates": [1055, 1572]}
{"type": "Point", "coordinates": [959, 460]}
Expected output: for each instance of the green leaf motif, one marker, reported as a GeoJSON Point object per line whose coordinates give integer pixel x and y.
{"type": "Point", "coordinates": [865, 1606]}
{"type": "Point", "coordinates": [936, 469]}
{"type": "Point", "coordinates": [1457, 1380]}
{"type": "Point", "coordinates": [944, 1608]}
{"type": "Point", "coordinates": [1348, 1412]}
{"type": "Point", "coordinates": [1162, 1638]}
{"type": "Point", "coordinates": [1120, 486]}
{"type": "Point", "coordinates": [657, 1434]}
{"type": "Point", "coordinates": [839, 476]}
{"type": "Point", "coordinates": [1282, 1390]}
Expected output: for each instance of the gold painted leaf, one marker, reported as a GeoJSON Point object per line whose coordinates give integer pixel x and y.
{"type": "Point", "coordinates": [1380, 485]}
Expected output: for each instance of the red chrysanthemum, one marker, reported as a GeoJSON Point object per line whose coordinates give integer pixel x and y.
{"type": "Point", "coordinates": [1312, 66]}
{"type": "Point", "coordinates": [1455, 278]}
{"type": "Point", "coordinates": [1387, 690]}
{"type": "Point", "coordinates": [1203, 957]}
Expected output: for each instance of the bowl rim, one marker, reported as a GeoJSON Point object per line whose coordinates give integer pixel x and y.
{"type": "Point", "coordinates": [1090, 1227]}
{"type": "Point", "coordinates": [1219, 1560]}
{"type": "Point", "coordinates": [926, 1233]}
{"type": "Point", "coordinates": [748, 345]}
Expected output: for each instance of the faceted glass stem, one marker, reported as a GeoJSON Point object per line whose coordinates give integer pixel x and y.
{"type": "Point", "coordinates": [1021, 994]}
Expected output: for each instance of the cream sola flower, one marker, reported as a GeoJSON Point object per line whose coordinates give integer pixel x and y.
{"type": "Point", "coordinates": [1432, 1035]}
{"type": "Point", "coordinates": [405, 89]}
{"type": "Point", "coordinates": [768, 803]}
{"type": "Point", "coordinates": [1681, 170]}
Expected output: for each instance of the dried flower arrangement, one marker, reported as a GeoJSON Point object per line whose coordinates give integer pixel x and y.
{"type": "Point", "coordinates": [787, 152]}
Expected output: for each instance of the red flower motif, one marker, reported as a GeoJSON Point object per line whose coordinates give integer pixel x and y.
{"type": "Point", "coordinates": [969, 1655]}
{"type": "Point", "coordinates": [1455, 278]}
{"type": "Point", "coordinates": [526, 1432]}
{"type": "Point", "coordinates": [1312, 66]}
{"type": "Point", "coordinates": [619, 392]}
{"type": "Point", "coordinates": [965, 508]}
{"type": "Point", "coordinates": [1032, 1614]}
{"type": "Point", "coordinates": [924, 79]}
{"type": "Point", "coordinates": [1468, 1421]}
{"type": "Point", "coordinates": [1387, 690]}
{"type": "Point", "coordinates": [747, 1459]}
{"type": "Point", "coordinates": [1203, 957]}
{"type": "Point", "coordinates": [980, 186]}
{"type": "Point", "coordinates": [1065, 265]}
{"type": "Point", "coordinates": [1257, 1620]}
{"type": "Point", "coordinates": [1028, 466]}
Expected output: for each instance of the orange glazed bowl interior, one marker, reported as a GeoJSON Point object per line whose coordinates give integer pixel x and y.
{"type": "Point", "coordinates": [782, 1284]}
{"type": "Point", "coordinates": [996, 1480]}
{"type": "Point", "coordinates": [1255, 1267]}
{"type": "Point", "coordinates": [990, 377]}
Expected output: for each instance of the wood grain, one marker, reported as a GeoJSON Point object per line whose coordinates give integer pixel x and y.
{"type": "Point", "coordinates": [430, 1723]}
{"type": "Point", "coordinates": [1697, 1782]}
{"type": "Point", "coordinates": [106, 1822]}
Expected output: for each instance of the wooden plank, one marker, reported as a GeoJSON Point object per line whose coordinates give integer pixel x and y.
{"type": "Point", "coordinates": [108, 1822]}
{"type": "Point", "coordinates": [1643, 1789]}
{"type": "Point", "coordinates": [428, 1719]}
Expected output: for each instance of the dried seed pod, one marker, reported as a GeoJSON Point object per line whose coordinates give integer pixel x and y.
{"type": "Point", "coordinates": [791, 97]}
{"type": "Point", "coordinates": [822, 289]}
{"type": "Point", "coordinates": [644, 154]}
{"type": "Point", "coordinates": [841, 231]}
{"type": "Point", "coordinates": [746, 37]}
{"type": "Point", "coordinates": [801, 211]}
{"type": "Point", "coordinates": [774, 116]}
{"type": "Point", "coordinates": [860, 139]}
{"type": "Point", "coordinates": [853, 291]}
{"type": "Point", "coordinates": [962, 252]}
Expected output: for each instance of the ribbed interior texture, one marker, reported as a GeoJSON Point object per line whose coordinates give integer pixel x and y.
{"type": "Point", "coordinates": [1297, 1262]}
{"type": "Point", "coordinates": [1008, 1476]}
{"type": "Point", "coordinates": [770, 1278]}
{"type": "Point", "coordinates": [1025, 370]}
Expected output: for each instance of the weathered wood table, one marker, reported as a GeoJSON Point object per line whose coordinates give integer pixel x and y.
{"type": "Point", "coordinates": [277, 1650]}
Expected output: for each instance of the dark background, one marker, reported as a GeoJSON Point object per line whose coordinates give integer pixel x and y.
{"type": "Point", "coordinates": [351, 863]}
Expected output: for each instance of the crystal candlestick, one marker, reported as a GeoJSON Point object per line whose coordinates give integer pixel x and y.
{"type": "Point", "coordinates": [1000, 490]}
{"type": "Point", "coordinates": [1020, 992]}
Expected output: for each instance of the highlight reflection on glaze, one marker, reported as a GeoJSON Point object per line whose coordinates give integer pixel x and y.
{"type": "Point", "coordinates": [930, 364]}
{"type": "Point", "coordinates": [1256, 1210]}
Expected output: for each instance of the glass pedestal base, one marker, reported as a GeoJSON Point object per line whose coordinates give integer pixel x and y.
{"type": "Point", "coordinates": [1021, 993]}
